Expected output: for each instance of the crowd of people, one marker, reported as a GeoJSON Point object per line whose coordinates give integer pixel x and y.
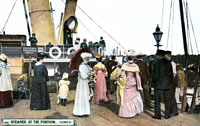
{"type": "Point", "coordinates": [161, 74]}
{"type": "Point", "coordinates": [94, 46]}
{"type": "Point", "coordinates": [132, 82]}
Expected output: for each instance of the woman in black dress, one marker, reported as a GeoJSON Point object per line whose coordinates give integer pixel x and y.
{"type": "Point", "coordinates": [40, 96]}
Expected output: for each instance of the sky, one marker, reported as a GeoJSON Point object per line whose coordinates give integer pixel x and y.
{"type": "Point", "coordinates": [130, 22]}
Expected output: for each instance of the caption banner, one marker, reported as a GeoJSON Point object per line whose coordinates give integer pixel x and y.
{"type": "Point", "coordinates": [26, 122]}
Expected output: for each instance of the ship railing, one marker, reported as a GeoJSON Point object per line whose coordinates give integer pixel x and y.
{"type": "Point", "coordinates": [11, 52]}
{"type": "Point", "coordinates": [16, 52]}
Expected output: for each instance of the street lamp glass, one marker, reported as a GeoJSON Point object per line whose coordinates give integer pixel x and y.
{"type": "Point", "coordinates": [157, 34]}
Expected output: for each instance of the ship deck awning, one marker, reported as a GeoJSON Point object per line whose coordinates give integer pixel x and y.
{"type": "Point", "coordinates": [12, 40]}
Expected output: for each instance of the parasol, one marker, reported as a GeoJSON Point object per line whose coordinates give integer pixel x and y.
{"type": "Point", "coordinates": [76, 59]}
{"type": "Point", "coordinates": [97, 55]}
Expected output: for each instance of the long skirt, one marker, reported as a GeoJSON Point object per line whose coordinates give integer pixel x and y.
{"type": "Point", "coordinates": [100, 90]}
{"type": "Point", "coordinates": [132, 102]}
{"type": "Point", "coordinates": [5, 99]}
{"type": "Point", "coordinates": [81, 104]}
{"type": "Point", "coordinates": [40, 97]}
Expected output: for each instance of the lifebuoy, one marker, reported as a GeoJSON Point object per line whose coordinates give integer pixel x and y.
{"type": "Point", "coordinates": [51, 52]}
{"type": "Point", "coordinates": [101, 51]}
{"type": "Point", "coordinates": [70, 49]}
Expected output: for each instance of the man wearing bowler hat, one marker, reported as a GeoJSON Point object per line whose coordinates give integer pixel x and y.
{"type": "Point", "coordinates": [162, 80]}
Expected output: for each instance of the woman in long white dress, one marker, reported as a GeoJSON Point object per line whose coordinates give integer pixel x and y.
{"type": "Point", "coordinates": [82, 105]}
{"type": "Point", "coordinates": [5, 83]}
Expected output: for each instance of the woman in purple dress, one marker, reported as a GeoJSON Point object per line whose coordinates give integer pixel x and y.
{"type": "Point", "coordinates": [132, 101]}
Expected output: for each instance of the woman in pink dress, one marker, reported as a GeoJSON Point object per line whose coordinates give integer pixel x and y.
{"type": "Point", "coordinates": [132, 101]}
{"type": "Point", "coordinates": [100, 87]}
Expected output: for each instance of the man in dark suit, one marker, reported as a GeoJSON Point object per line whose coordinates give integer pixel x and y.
{"type": "Point", "coordinates": [144, 74]}
{"type": "Point", "coordinates": [174, 108]}
{"type": "Point", "coordinates": [48, 46]}
{"type": "Point", "coordinates": [162, 80]}
{"type": "Point", "coordinates": [84, 44]}
{"type": "Point", "coordinates": [150, 67]}
{"type": "Point", "coordinates": [102, 43]}
{"type": "Point", "coordinates": [110, 66]}
{"type": "Point", "coordinates": [33, 40]}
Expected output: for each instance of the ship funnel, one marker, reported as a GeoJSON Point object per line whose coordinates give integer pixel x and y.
{"type": "Point", "coordinates": [41, 21]}
{"type": "Point", "coordinates": [70, 8]}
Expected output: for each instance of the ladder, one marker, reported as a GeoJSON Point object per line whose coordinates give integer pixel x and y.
{"type": "Point", "coordinates": [195, 89]}
{"type": "Point", "coordinates": [185, 94]}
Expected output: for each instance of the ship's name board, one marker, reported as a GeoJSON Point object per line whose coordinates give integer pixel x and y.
{"type": "Point", "coordinates": [29, 50]}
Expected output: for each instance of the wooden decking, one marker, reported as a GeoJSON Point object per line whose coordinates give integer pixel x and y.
{"type": "Point", "coordinates": [104, 115]}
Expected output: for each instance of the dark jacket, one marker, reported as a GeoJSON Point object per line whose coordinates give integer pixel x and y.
{"type": "Point", "coordinates": [162, 74]}
{"type": "Point", "coordinates": [57, 77]}
{"type": "Point", "coordinates": [40, 97]}
{"type": "Point", "coordinates": [40, 74]}
{"type": "Point", "coordinates": [151, 68]}
{"type": "Point", "coordinates": [151, 65]}
{"type": "Point", "coordinates": [33, 41]}
{"type": "Point", "coordinates": [144, 72]}
{"type": "Point", "coordinates": [102, 43]}
{"type": "Point", "coordinates": [83, 45]}
{"type": "Point", "coordinates": [110, 66]}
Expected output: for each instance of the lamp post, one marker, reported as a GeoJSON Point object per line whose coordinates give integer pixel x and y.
{"type": "Point", "coordinates": [157, 35]}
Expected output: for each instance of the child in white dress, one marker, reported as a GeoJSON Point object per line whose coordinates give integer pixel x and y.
{"type": "Point", "coordinates": [63, 94]}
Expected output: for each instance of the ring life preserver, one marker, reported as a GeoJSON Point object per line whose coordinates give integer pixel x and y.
{"type": "Point", "coordinates": [51, 52]}
{"type": "Point", "coordinates": [70, 49]}
{"type": "Point", "coordinates": [101, 51]}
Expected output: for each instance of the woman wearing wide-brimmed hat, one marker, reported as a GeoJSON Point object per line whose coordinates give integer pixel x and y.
{"type": "Point", "coordinates": [132, 102]}
{"type": "Point", "coordinates": [81, 104]}
{"type": "Point", "coordinates": [40, 96]}
{"type": "Point", "coordinates": [5, 83]}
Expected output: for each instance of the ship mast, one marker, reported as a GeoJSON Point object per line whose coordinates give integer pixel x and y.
{"type": "Point", "coordinates": [27, 21]}
{"type": "Point", "coordinates": [186, 51]}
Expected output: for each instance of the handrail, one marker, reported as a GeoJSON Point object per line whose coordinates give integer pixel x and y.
{"type": "Point", "coordinates": [16, 51]}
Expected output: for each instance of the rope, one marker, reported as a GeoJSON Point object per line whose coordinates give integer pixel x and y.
{"type": "Point", "coordinates": [87, 29]}
{"type": "Point", "coordinates": [109, 50]}
{"type": "Point", "coordinates": [101, 28]}
{"type": "Point", "coordinates": [188, 28]}
{"type": "Point", "coordinates": [193, 30]}
{"type": "Point", "coordinates": [9, 16]}
{"type": "Point", "coordinates": [169, 24]}
{"type": "Point", "coordinates": [162, 14]}
{"type": "Point", "coordinates": [172, 26]}
{"type": "Point", "coordinates": [98, 26]}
